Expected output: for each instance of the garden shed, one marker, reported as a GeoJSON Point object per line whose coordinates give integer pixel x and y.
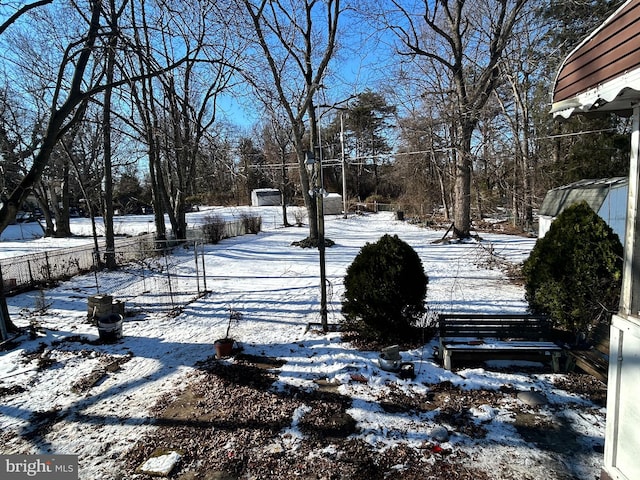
{"type": "Point", "coordinates": [265, 197]}
{"type": "Point", "coordinates": [332, 204]}
{"type": "Point", "coordinates": [602, 74]}
{"type": "Point", "coordinates": [606, 196]}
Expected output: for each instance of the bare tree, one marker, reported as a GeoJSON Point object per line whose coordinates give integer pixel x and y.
{"type": "Point", "coordinates": [20, 12]}
{"type": "Point", "coordinates": [178, 110]}
{"type": "Point", "coordinates": [280, 157]}
{"type": "Point", "coordinates": [521, 68]}
{"type": "Point", "coordinates": [78, 81]}
{"type": "Point", "coordinates": [6, 325]}
{"type": "Point", "coordinates": [143, 95]}
{"type": "Point", "coordinates": [466, 39]}
{"type": "Point", "coordinates": [290, 67]}
{"type": "Point", "coordinates": [112, 14]}
{"type": "Point", "coordinates": [63, 115]}
{"type": "Point", "coordinates": [424, 161]}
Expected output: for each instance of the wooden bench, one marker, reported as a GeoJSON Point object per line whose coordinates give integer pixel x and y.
{"type": "Point", "coordinates": [497, 336]}
{"type": "Point", "coordinates": [592, 358]}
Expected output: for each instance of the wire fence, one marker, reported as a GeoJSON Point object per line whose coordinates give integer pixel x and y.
{"type": "Point", "coordinates": [159, 275]}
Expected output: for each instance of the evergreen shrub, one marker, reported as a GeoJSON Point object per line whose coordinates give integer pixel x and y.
{"type": "Point", "coordinates": [574, 272]}
{"type": "Point", "coordinates": [385, 288]}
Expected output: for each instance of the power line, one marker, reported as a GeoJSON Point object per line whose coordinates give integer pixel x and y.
{"type": "Point", "coordinates": [356, 160]}
{"type": "Point", "coordinates": [573, 134]}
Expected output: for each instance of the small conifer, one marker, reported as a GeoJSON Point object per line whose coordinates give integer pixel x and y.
{"type": "Point", "coordinates": [574, 272]}
{"type": "Point", "coordinates": [385, 288]}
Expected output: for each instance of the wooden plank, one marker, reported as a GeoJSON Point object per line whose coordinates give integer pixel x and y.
{"type": "Point", "coordinates": [502, 346]}
{"type": "Point", "coordinates": [492, 316]}
{"type": "Point", "coordinates": [591, 369]}
{"type": "Point", "coordinates": [496, 325]}
{"type": "Point", "coordinates": [594, 361]}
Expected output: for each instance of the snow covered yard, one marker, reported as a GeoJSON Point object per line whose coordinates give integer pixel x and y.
{"type": "Point", "coordinates": [268, 413]}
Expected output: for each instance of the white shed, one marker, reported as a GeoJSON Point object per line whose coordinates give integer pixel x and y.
{"type": "Point", "coordinates": [332, 204]}
{"type": "Point", "coordinates": [265, 197]}
{"type": "Point", "coordinates": [606, 196]}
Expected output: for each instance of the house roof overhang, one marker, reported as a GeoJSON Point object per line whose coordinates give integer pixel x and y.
{"type": "Point", "coordinates": [602, 74]}
{"type": "Point", "coordinates": [618, 95]}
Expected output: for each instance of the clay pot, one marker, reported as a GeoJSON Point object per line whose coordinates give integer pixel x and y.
{"type": "Point", "coordinates": [224, 347]}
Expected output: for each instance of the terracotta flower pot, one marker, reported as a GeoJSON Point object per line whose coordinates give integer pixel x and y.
{"type": "Point", "coordinates": [224, 347]}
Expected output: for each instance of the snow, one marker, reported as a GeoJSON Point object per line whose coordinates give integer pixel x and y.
{"type": "Point", "coordinates": [276, 288]}
{"type": "Point", "coordinates": [161, 465]}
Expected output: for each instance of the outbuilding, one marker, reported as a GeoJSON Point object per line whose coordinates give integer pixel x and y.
{"type": "Point", "coordinates": [265, 197]}
{"type": "Point", "coordinates": [606, 196]}
{"type": "Point", "coordinates": [332, 204]}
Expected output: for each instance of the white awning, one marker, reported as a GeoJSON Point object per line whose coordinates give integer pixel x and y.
{"type": "Point", "coordinates": [619, 94]}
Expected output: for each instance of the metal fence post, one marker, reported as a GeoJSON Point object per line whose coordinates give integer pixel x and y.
{"type": "Point", "coordinates": [204, 272]}
{"type": "Point", "coordinates": [96, 262]}
{"type": "Point", "coordinates": [31, 283]}
{"type": "Point", "coordinates": [48, 265]}
{"type": "Point", "coordinates": [166, 262]}
{"type": "Point", "coordinates": [4, 311]}
{"type": "Point", "coordinates": [195, 255]}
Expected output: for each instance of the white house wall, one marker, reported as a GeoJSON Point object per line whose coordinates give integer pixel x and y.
{"type": "Point", "coordinates": [333, 204]}
{"type": "Point", "coordinates": [544, 224]}
{"type": "Point", "coordinates": [623, 410]}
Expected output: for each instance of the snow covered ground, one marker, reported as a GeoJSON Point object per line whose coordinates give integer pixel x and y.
{"type": "Point", "coordinates": [276, 288]}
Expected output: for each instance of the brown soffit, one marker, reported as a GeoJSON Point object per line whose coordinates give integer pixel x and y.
{"type": "Point", "coordinates": [612, 51]}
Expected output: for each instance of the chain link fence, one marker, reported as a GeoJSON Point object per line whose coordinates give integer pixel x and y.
{"type": "Point", "coordinates": [159, 275]}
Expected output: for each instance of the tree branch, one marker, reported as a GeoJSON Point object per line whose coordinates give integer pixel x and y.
{"type": "Point", "coordinates": [12, 19]}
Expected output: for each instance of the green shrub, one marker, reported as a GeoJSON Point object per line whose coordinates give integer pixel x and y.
{"type": "Point", "coordinates": [574, 273]}
{"type": "Point", "coordinates": [385, 287]}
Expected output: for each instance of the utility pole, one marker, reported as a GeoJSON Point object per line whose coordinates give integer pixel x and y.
{"type": "Point", "coordinates": [320, 192]}
{"type": "Point", "coordinates": [344, 168]}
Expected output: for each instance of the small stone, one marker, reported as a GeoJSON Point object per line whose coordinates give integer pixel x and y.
{"type": "Point", "coordinates": [274, 449]}
{"type": "Point", "coordinates": [532, 398]}
{"type": "Point", "coordinates": [440, 434]}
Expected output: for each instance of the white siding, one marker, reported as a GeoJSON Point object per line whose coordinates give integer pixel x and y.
{"type": "Point", "coordinates": [544, 223]}
{"type": "Point", "coordinates": [614, 210]}
{"type": "Point", "coordinates": [623, 409]}
{"type": "Point", "coordinates": [332, 204]}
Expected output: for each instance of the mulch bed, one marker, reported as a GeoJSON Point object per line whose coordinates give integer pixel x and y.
{"type": "Point", "coordinates": [229, 424]}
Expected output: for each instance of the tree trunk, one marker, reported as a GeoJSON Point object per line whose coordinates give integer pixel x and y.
{"type": "Point", "coordinates": [110, 245]}
{"type": "Point", "coordinates": [309, 200]}
{"type": "Point", "coordinates": [284, 187]}
{"type": "Point", "coordinates": [312, 186]}
{"type": "Point", "coordinates": [6, 325]}
{"type": "Point", "coordinates": [42, 197]}
{"type": "Point", "coordinates": [462, 189]}
{"type": "Point", "coordinates": [63, 226]}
